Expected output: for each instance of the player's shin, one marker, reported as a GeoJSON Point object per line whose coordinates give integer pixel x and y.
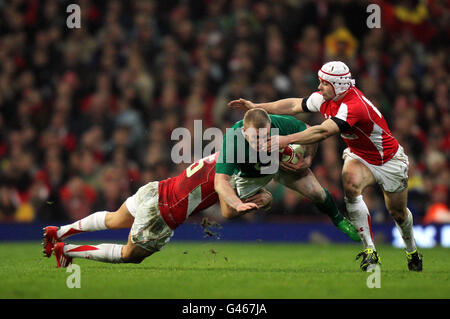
{"type": "Point", "coordinates": [93, 222]}
{"type": "Point", "coordinates": [359, 215]}
{"type": "Point", "coordinates": [406, 231]}
{"type": "Point", "coordinates": [329, 208]}
{"type": "Point", "coordinates": [110, 253]}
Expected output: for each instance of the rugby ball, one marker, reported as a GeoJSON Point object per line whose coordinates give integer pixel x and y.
{"type": "Point", "coordinates": [288, 154]}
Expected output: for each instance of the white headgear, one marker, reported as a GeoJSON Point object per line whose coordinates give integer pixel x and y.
{"type": "Point", "coordinates": [338, 75]}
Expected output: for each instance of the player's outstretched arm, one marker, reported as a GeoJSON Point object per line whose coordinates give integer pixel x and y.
{"type": "Point", "coordinates": [263, 200]}
{"type": "Point", "coordinates": [311, 135]}
{"type": "Point", "coordinates": [290, 106]}
{"type": "Point", "coordinates": [316, 133]}
{"type": "Point", "coordinates": [226, 192]}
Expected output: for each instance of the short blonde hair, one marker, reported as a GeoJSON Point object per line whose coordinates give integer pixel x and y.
{"type": "Point", "coordinates": [257, 118]}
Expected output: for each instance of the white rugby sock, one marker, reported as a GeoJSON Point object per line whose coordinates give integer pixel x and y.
{"type": "Point", "coordinates": [93, 222]}
{"type": "Point", "coordinates": [359, 216]}
{"type": "Point", "coordinates": [110, 253]}
{"type": "Point", "coordinates": [406, 231]}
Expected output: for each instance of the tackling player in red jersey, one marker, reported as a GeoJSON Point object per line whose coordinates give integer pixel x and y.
{"type": "Point", "coordinates": [153, 213]}
{"type": "Point", "coordinates": [373, 154]}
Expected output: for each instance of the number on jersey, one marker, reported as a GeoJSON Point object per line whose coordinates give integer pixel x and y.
{"type": "Point", "coordinates": [195, 167]}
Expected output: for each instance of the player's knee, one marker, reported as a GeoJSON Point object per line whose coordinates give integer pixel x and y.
{"type": "Point", "coordinates": [110, 220]}
{"type": "Point", "coordinates": [129, 257]}
{"type": "Point", "coordinates": [318, 196]}
{"type": "Point", "coordinates": [118, 219]}
{"type": "Point", "coordinates": [134, 254]}
{"type": "Point", "coordinates": [351, 189]}
{"type": "Point", "coordinates": [313, 191]}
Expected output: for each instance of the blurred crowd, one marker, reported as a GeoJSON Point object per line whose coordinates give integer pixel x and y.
{"type": "Point", "coordinates": [87, 113]}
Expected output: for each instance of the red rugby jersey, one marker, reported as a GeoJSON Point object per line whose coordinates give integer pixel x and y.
{"type": "Point", "coordinates": [189, 192]}
{"type": "Point", "coordinates": [369, 136]}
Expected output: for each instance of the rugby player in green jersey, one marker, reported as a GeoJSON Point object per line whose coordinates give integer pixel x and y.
{"type": "Point", "coordinates": [242, 170]}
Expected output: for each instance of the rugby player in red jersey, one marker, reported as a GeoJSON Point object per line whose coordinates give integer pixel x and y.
{"type": "Point", "coordinates": [152, 213]}
{"type": "Point", "coordinates": [373, 154]}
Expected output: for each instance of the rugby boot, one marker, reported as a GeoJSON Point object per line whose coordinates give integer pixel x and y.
{"type": "Point", "coordinates": [347, 228]}
{"type": "Point", "coordinates": [50, 238]}
{"type": "Point", "coordinates": [414, 260]}
{"type": "Point", "coordinates": [370, 258]}
{"type": "Point", "coordinates": [61, 259]}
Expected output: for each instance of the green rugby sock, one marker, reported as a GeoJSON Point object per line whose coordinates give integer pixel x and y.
{"type": "Point", "coordinates": [329, 208]}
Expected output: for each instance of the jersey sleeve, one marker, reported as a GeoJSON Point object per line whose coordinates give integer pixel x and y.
{"type": "Point", "coordinates": [350, 113]}
{"type": "Point", "coordinates": [314, 102]}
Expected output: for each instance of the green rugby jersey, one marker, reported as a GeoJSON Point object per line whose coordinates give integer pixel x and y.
{"type": "Point", "coordinates": [245, 166]}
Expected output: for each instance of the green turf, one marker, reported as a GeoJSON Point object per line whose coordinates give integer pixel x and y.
{"type": "Point", "coordinates": [214, 269]}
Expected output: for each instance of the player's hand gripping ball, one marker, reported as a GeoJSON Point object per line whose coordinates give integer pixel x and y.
{"type": "Point", "coordinates": [289, 153]}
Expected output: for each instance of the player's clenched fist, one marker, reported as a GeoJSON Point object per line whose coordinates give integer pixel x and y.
{"type": "Point", "coordinates": [241, 104]}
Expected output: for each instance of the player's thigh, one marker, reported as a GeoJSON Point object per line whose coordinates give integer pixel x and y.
{"type": "Point", "coordinates": [132, 253]}
{"type": "Point", "coordinates": [304, 183]}
{"type": "Point", "coordinates": [355, 177]}
{"type": "Point", "coordinates": [396, 203]}
{"type": "Point", "coordinates": [121, 218]}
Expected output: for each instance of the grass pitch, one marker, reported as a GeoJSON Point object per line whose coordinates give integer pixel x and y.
{"type": "Point", "coordinates": [214, 269]}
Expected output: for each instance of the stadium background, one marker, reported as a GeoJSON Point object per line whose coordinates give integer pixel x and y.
{"type": "Point", "coordinates": [86, 114]}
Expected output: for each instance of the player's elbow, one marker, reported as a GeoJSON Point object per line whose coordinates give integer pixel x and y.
{"type": "Point", "coordinates": [327, 129]}
{"type": "Point", "coordinates": [318, 137]}
{"type": "Point", "coordinates": [322, 133]}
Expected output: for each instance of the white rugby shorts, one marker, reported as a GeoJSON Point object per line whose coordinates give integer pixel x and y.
{"type": "Point", "coordinates": [149, 230]}
{"type": "Point", "coordinates": [392, 175]}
